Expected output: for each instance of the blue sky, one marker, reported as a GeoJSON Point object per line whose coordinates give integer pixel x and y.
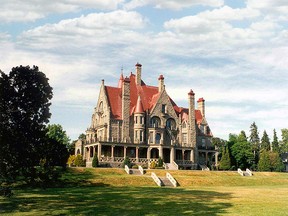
{"type": "Point", "coordinates": [233, 53]}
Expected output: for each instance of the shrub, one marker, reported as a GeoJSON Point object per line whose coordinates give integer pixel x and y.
{"type": "Point", "coordinates": [126, 162]}
{"type": "Point", "coordinates": [160, 162]}
{"type": "Point", "coordinates": [95, 162]}
{"type": "Point", "coordinates": [152, 165]}
{"type": "Point", "coordinates": [145, 166]}
{"type": "Point", "coordinates": [135, 166]}
{"type": "Point", "coordinates": [79, 162]}
{"type": "Point", "coordinates": [71, 160]}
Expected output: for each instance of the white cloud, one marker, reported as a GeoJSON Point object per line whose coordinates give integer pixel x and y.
{"type": "Point", "coordinates": [31, 10]}
{"type": "Point", "coordinates": [172, 4]}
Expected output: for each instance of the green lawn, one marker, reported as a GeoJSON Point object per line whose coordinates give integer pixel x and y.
{"type": "Point", "coordinates": [112, 192]}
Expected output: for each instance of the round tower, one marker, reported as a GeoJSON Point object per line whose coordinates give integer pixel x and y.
{"type": "Point", "coordinates": [139, 122]}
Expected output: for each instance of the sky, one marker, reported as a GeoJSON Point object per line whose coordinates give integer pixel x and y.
{"type": "Point", "coordinates": [232, 53]}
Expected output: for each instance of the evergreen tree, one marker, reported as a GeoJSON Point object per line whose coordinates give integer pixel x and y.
{"type": "Point", "coordinates": [254, 140]}
{"type": "Point", "coordinates": [284, 141]}
{"type": "Point", "coordinates": [95, 161]}
{"type": "Point", "coordinates": [264, 161]}
{"type": "Point", "coordinates": [265, 142]}
{"type": "Point", "coordinates": [275, 142]}
{"type": "Point", "coordinates": [225, 163]}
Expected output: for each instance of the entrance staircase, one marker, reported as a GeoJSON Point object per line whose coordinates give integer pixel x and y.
{"type": "Point", "coordinates": [171, 166]}
{"type": "Point", "coordinates": [135, 172]}
{"type": "Point", "coordinates": [166, 181]}
{"type": "Point", "coordinates": [245, 173]}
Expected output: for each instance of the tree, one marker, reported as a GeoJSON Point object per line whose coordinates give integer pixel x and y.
{"type": "Point", "coordinates": [95, 161]}
{"type": "Point", "coordinates": [225, 163]}
{"type": "Point", "coordinates": [255, 141]}
{"type": "Point", "coordinates": [264, 161]}
{"type": "Point", "coordinates": [265, 142]}
{"type": "Point", "coordinates": [276, 164]}
{"type": "Point", "coordinates": [56, 132]}
{"type": "Point", "coordinates": [242, 152]}
{"type": "Point", "coordinates": [25, 96]}
{"type": "Point", "coordinates": [284, 141]}
{"type": "Point", "coordinates": [275, 142]}
{"type": "Point", "coordinates": [82, 136]}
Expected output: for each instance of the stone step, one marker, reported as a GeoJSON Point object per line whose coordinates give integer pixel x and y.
{"type": "Point", "coordinates": [170, 166]}
{"type": "Point", "coordinates": [166, 182]}
{"type": "Point", "coordinates": [135, 172]}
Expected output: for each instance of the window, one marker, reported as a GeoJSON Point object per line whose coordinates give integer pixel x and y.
{"type": "Point", "coordinates": [158, 138]}
{"type": "Point", "coordinates": [170, 123]}
{"type": "Point", "coordinates": [151, 137]}
{"type": "Point", "coordinates": [184, 125]}
{"type": "Point", "coordinates": [203, 142]}
{"type": "Point", "coordinates": [141, 136]}
{"type": "Point", "coordinates": [163, 108]}
{"type": "Point", "coordinates": [155, 121]}
{"type": "Point", "coordinates": [184, 138]}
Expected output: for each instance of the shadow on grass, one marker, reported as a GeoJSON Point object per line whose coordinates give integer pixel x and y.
{"type": "Point", "coordinates": [107, 200]}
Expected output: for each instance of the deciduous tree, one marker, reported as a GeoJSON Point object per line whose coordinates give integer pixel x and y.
{"type": "Point", "coordinates": [24, 106]}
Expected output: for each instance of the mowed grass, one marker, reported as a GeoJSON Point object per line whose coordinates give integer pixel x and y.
{"type": "Point", "coordinates": [112, 192]}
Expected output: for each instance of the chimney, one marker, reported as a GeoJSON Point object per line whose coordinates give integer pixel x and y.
{"type": "Point", "coordinates": [125, 109]}
{"type": "Point", "coordinates": [138, 73]}
{"type": "Point", "coordinates": [160, 83]}
{"type": "Point", "coordinates": [201, 106]}
{"type": "Point", "coordinates": [192, 126]}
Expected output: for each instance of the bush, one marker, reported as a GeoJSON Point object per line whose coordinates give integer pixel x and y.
{"type": "Point", "coordinates": [152, 165]}
{"type": "Point", "coordinates": [95, 162]}
{"type": "Point", "coordinates": [79, 162]}
{"type": "Point", "coordinates": [135, 166]}
{"type": "Point", "coordinates": [71, 160]}
{"type": "Point", "coordinates": [145, 166]}
{"type": "Point", "coordinates": [160, 162]}
{"type": "Point", "coordinates": [126, 162]}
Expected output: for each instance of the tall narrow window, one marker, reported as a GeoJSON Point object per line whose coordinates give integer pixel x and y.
{"type": "Point", "coordinates": [163, 108]}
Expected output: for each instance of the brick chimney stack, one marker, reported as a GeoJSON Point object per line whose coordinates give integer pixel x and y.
{"type": "Point", "coordinates": [161, 83]}
{"type": "Point", "coordinates": [138, 73]}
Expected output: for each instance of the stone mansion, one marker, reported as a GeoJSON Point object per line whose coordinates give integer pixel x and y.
{"type": "Point", "coordinates": [143, 123]}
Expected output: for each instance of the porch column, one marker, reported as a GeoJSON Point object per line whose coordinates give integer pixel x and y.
{"type": "Point", "coordinates": [112, 152]}
{"type": "Point", "coordinates": [148, 153]}
{"type": "Point", "coordinates": [137, 152]}
{"type": "Point", "coordinates": [125, 148]}
{"type": "Point", "coordinates": [161, 151]}
{"type": "Point", "coordinates": [192, 156]}
{"type": "Point", "coordinates": [183, 151]}
{"type": "Point", "coordinates": [216, 158]}
{"type": "Point", "coordinates": [172, 154]}
{"type": "Point", "coordinates": [206, 156]}
{"type": "Point", "coordinates": [99, 151]}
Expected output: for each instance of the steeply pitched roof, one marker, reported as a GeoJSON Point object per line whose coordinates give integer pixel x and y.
{"type": "Point", "coordinates": [149, 96]}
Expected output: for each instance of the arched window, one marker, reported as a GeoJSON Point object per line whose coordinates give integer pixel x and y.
{"type": "Point", "coordinates": [155, 121]}
{"type": "Point", "coordinates": [157, 138]}
{"type": "Point", "coordinates": [100, 108]}
{"type": "Point", "coordinates": [184, 125]}
{"type": "Point", "coordinates": [171, 124]}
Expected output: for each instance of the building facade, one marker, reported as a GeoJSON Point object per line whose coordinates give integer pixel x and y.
{"type": "Point", "coordinates": [143, 123]}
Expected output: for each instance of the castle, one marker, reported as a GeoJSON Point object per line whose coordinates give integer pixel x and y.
{"type": "Point", "coordinates": [143, 123]}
